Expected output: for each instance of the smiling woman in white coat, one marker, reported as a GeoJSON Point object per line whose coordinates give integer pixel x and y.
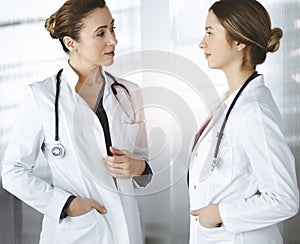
{"type": "Point", "coordinates": [242, 178]}
{"type": "Point", "coordinates": [74, 118]}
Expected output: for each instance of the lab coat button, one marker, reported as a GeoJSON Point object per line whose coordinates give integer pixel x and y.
{"type": "Point", "coordinates": [195, 187]}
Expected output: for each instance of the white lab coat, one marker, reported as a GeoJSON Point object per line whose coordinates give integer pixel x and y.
{"type": "Point", "coordinates": [255, 182]}
{"type": "Point", "coordinates": [81, 171]}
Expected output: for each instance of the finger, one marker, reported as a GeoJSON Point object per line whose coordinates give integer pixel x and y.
{"type": "Point", "coordinates": [118, 173]}
{"type": "Point", "coordinates": [115, 159]}
{"type": "Point", "coordinates": [113, 169]}
{"type": "Point", "coordinates": [195, 212]}
{"type": "Point", "coordinates": [118, 165]}
{"type": "Point", "coordinates": [116, 151]}
{"type": "Point", "coordinates": [98, 207]}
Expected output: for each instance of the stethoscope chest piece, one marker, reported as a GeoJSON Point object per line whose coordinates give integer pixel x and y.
{"type": "Point", "coordinates": [58, 151]}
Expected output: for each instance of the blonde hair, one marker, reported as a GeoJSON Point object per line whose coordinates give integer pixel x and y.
{"type": "Point", "coordinates": [248, 22]}
{"type": "Point", "coordinates": [68, 19]}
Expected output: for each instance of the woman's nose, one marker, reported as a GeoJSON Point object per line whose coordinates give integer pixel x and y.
{"type": "Point", "coordinates": [112, 40]}
{"type": "Point", "coordinates": [202, 43]}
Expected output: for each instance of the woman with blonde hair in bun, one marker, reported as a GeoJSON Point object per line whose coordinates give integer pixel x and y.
{"type": "Point", "coordinates": [90, 127]}
{"type": "Point", "coordinates": [242, 178]}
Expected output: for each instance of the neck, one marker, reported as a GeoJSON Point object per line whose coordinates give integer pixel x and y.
{"type": "Point", "coordinates": [237, 79]}
{"type": "Point", "coordinates": [89, 76]}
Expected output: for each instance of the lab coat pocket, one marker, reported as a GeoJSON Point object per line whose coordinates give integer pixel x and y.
{"type": "Point", "coordinates": [212, 230]}
{"type": "Point", "coordinates": [218, 233]}
{"type": "Point", "coordinates": [84, 229]}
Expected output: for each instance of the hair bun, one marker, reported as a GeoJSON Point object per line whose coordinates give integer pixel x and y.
{"type": "Point", "coordinates": [274, 42]}
{"type": "Point", "coordinates": [50, 25]}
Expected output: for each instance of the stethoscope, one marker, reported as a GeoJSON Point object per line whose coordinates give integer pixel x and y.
{"type": "Point", "coordinates": [58, 150]}
{"type": "Point", "coordinates": [216, 158]}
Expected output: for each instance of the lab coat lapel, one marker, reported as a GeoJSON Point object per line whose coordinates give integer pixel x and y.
{"type": "Point", "coordinates": [86, 133]}
{"type": "Point", "coordinates": [214, 124]}
{"type": "Point", "coordinates": [111, 105]}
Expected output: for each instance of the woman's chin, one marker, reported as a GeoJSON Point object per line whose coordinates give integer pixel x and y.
{"type": "Point", "coordinates": [107, 63]}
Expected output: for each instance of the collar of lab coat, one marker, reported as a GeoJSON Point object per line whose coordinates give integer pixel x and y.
{"type": "Point", "coordinates": [71, 78]}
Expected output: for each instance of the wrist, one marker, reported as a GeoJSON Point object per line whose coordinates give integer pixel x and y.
{"type": "Point", "coordinates": [147, 170]}
{"type": "Point", "coordinates": [64, 213]}
{"type": "Point", "coordinates": [218, 216]}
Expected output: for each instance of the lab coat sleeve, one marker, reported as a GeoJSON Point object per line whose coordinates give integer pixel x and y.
{"type": "Point", "coordinates": [141, 142]}
{"type": "Point", "coordinates": [141, 149]}
{"type": "Point", "coordinates": [20, 158]}
{"type": "Point", "coordinates": [273, 166]}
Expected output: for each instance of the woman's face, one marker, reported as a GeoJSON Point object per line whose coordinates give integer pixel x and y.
{"type": "Point", "coordinates": [97, 39]}
{"type": "Point", "coordinates": [219, 50]}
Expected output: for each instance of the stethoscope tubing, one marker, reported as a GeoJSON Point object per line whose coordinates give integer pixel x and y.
{"type": "Point", "coordinates": [58, 150]}
{"type": "Point", "coordinates": [220, 134]}
{"type": "Point", "coordinates": [56, 104]}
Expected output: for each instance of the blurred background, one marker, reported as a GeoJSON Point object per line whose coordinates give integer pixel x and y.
{"type": "Point", "coordinates": [28, 54]}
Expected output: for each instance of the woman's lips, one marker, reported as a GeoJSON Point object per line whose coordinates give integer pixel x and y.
{"type": "Point", "coordinates": [207, 55]}
{"type": "Point", "coordinates": [112, 53]}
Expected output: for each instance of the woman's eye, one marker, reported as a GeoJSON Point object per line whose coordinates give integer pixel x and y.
{"type": "Point", "coordinates": [113, 29]}
{"type": "Point", "coordinates": [101, 34]}
{"type": "Point", "coordinates": [209, 33]}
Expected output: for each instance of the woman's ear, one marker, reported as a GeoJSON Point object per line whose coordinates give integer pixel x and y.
{"type": "Point", "coordinates": [239, 46]}
{"type": "Point", "coordinates": [70, 44]}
